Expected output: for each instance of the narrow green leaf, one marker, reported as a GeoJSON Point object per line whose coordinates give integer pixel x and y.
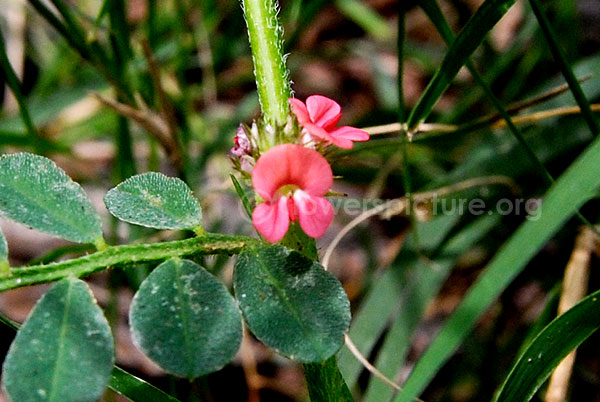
{"type": "Point", "coordinates": [461, 49]}
{"type": "Point", "coordinates": [325, 382]}
{"type": "Point", "coordinates": [420, 281]}
{"type": "Point", "coordinates": [565, 66]}
{"type": "Point", "coordinates": [156, 201]}
{"type": "Point", "coordinates": [242, 195]}
{"type": "Point", "coordinates": [385, 295]}
{"type": "Point", "coordinates": [291, 303]}
{"type": "Point", "coordinates": [15, 86]}
{"type": "Point", "coordinates": [135, 389]}
{"type": "Point", "coordinates": [36, 192]}
{"type": "Point", "coordinates": [64, 351]}
{"type": "Point", "coordinates": [364, 16]}
{"type": "Point", "coordinates": [576, 186]}
{"type": "Point", "coordinates": [185, 320]}
{"type": "Point", "coordinates": [547, 350]}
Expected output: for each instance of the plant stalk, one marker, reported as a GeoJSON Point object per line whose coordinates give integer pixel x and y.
{"type": "Point", "coordinates": [265, 35]}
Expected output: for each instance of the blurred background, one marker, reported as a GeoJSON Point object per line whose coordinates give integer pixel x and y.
{"type": "Point", "coordinates": [108, 91]}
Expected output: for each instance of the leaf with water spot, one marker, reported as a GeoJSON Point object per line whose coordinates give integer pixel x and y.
{"type": "Point", "coordinates": [156, 201]}
{"type": "Point", "coordinates": [291, 303]}
{"type": "Point", "coordinates": [185, 320]}
{"type": "Point", "coordinates": [64, 352]}
{"type": "Point", "coordinates": [36, 192]}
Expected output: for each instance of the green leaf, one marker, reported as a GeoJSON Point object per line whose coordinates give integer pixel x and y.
{"type": "Point", "coordinates": [122, 382]}
{"type": "Point", "coordinates": [136, 389]}
{"type": "Point", "coordinates": [457, 56]}
{"type": "Point", "coordinates": [185, 320]}
{"type": "Point", "coordinates": [547, 350]}
{"type": "Point", "coordinates": [156, 201]}
{"type": "Point", "coordinates": [291, 303]}
{"type": "Point", "coordinates": [576, 186]}
{"type": "Point", "coordinates": [36, 192]}
{"type": "Point", "coordinates": [64, 351]}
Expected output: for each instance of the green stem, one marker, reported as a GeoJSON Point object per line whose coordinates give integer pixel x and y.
{"type": "Point", "coordinates": [266, 42]}
{"type": "Point", "coordinates": [324, 379]}
{"type": "Point", "coordinates": [121, 255]}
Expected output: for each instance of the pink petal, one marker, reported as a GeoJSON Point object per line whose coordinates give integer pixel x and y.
{"type": "Point", "coordinates": [272, 220]}
{"type": "Point", "coordinates": [299, 109]}
{"type": "Point", "coordinates": [314, 213]}
{"type": "Point", "coordinates": [318, 132]}
{"type": "Point", "coordinates": [324, 112]}
{"type": "Point", "coordinates": [350, 133]}
{"type": "Point", "coordinates": [343, 136]}
{"type": "Point", "coordinates": [291, 164]}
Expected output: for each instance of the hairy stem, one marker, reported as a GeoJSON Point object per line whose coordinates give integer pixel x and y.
{"type": "Point", "coordinates": [266, 42]}
{"type": "Point", "coordinates": [122, 255]}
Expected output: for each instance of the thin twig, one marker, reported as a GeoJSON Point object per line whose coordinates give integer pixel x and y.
{"type": "Point", "coordinates": [372, 369]}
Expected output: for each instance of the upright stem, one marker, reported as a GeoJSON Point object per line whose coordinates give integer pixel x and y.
{"type": "Point", "coordinates": [265, 36]}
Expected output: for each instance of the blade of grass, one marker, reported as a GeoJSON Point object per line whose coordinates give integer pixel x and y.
{"type": "Point", "coordinates": [37, 141]}
{"type": "Point", "coordinates": [422, 282]}
{"type": "Point", "coordinates": [465, 44]}
{"type": "Point", "coordinates": [384, 297]}
{"type": "Point", "coordinates": [75, 30]}
{"type": "Point", "coordinates": [559, 56]}
{"type": "Point", "coordinates": [57, 24]}
{"type": "Point", "coordinates": [433, 11]}
{"type": "Point", "coordinates": [547, 350]}
{"type": "Point", "coordinates": [136, 389]}
{"type": "Point", "coordinates": [242, 194]}
{"type": "Point", "coordinates": [576, 186]}
{"type": "Point", "coordinates": [364, 16]}
{"type": "Point", "coordinates": [406, 174]}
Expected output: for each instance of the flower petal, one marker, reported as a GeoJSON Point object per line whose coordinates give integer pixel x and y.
{"type": "Point", "coordinates": [314, 213]}
{"type": "Point", "coordinates": [343, 136]}
{"type": "Point", "coordinates": [299, 109]}
{"type": "Point", "coordinates": [350, 133]}
{"type": "Point", "coordinates": [272, 220]}
{"type": "Point", "coordinates": [323, 112]}
{"type": "Point", "coordinates": [291, 164]}
{"type": "Point", "coordinates": [318, 132]}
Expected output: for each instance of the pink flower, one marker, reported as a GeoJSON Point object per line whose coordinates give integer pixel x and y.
{"type": "Point", "coordinates": [319, 117]}
{"type": "Point", "coordinates": [292, 180]}
{"type": "Point", "coordinates": [242, 143]}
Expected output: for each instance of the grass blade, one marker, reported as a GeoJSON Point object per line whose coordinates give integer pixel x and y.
{"type": "Point", "coordinates": [565, 66]}
{"type": "Point", "coordinates": [364, 16]}
{"type": "Point", "coordinates": [465, 44]}
{"type": "Point", "coordinates": [382, 300]}
{"type": "Point", "coordinates": [556, 341]}
{"type": "Point", "coordinates": [136, 389]}
{"type": "Point", "coordinates": [423, 281]}
{"type": "Point", "coordinates": [38, 142]}
{"type": "Point", "coordinates": [576, 186]}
